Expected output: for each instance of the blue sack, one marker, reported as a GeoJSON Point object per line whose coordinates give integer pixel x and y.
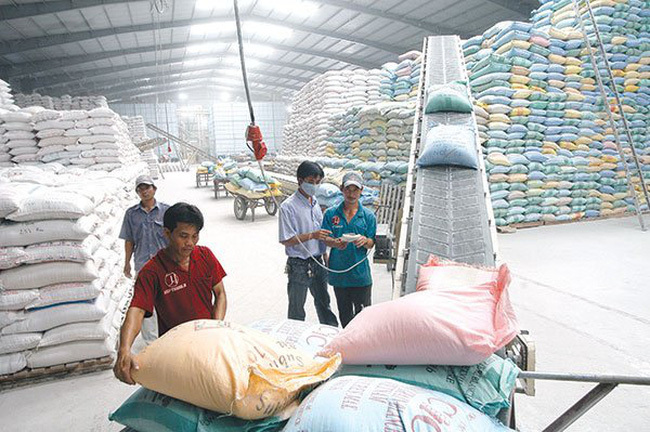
{"type": "Point", "coordinates": [449, 145]}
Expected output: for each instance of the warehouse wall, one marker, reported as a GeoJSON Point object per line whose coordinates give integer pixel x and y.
{"type": "Point", "coordinates": [227, 125]}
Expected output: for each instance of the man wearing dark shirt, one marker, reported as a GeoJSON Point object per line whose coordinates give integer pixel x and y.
{"type": "Point", "coordinates": [182, 282]}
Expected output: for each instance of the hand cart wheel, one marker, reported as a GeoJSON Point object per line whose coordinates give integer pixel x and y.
{"type": "Point", "coordinates": [241, 206]}
{"type": "Point", "coordinates": [270, 206]}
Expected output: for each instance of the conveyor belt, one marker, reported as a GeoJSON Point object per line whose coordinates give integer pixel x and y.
{"type": "Point", "coordinates": [450, 214]}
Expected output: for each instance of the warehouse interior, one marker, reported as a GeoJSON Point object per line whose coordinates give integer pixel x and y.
{"type": "Point", "coordinates": [498, 152]}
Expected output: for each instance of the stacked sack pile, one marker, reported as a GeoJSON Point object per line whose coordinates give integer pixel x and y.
{"type": "Point", "coordinates": [550, 152]}
{"type": "Point", "coordinates": [443, 372]}
{"type": "Point", "coordinates": [63, 103]}
{"type": "Point", "coordinates": [137, 128]}
{"type": "Point", "coordinates": [400, 81]}
{"type": "Point", "coordinates": [6, 98]}
{"type": "Point", "coordinates": [97, 139]}
{"type": "Point", "coordinates": [321, 98]}
{"type": "Point", "coordinates": [380, 132]}
{"type": "Point", "coordinates": [62, 291]}
{"type": "Point", "coordinates": [19, 137]}
{"type": "Point", "coordinates": [252, 180]}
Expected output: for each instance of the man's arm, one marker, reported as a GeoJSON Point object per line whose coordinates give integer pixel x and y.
{"type": "Point", "coordinates": [220, 304]}
{"type": "Point", "coordinates": [128, 253]}
{"type": "Point", "coordinates": [286, 226]}
{"type": "Point", "coordinates": [128, 333]}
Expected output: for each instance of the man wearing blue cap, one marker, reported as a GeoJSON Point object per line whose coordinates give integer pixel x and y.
{"type": "Point", "coordinates": [353, 230]}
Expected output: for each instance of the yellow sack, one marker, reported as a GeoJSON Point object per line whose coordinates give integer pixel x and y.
{"type": "Point", "coordinates": [618, 40]}
{"type": "Point", "coordinates": [520, 111]}
{"type": "Point", "coordinates": [631, 88]}
{"type": "Point", "coordinates": [557, 59]}
{"type": "Point", "coordinates": [229, 368]}
{"type": "Point", "coordinates": [642, 61]}
{"type": "Point", "coordinates": [519, 70]}
{"type": "Point", "coordinates": [519, 79]}
{"type": "Point", "coordinates": [572, 70]}
{"type": "Point", "coordinates": [522, 94]}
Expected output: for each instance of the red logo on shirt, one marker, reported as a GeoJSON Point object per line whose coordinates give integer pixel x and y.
{"type": "Point", "coordinates": [336, 220]}
{"type": "Point", "coordinates": [171, 279]}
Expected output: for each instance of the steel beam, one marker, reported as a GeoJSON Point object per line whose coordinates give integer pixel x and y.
{"type": "Point", "coordinates": [27, 10]}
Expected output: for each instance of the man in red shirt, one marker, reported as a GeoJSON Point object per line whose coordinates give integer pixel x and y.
{"type": "Point", "coordinates": [181, 282]}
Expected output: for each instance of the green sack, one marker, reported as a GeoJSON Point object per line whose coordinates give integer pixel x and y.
{"type": "Point", "coordinates": [451, 97]}
{"type": "Point", "coordinates": [149, 411]}
{"type": "Point", "coordinates": [486, 386]}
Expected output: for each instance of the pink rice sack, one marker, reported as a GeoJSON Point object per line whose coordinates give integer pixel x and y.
{"type": "Point", "coordinates": [460, 316]}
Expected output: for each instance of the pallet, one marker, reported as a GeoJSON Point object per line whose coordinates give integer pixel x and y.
{"type": "Point", "coordinates": [32, 376]}
{"type": "Point", "coordinates": [509, 229]}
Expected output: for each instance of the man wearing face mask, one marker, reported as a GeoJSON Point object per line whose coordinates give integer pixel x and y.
{"type": "Point", "coordinates": [300, 233]}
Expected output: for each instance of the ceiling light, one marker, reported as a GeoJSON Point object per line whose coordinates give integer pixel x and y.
{"type": "Point", "coordinates": [224, 97]}
{"type": "Point", "coordinates": [182, 96]}
{"type": "Point", "coordinates": [212, 28]}
{"type": "Point", "coordinates": [266, 30]}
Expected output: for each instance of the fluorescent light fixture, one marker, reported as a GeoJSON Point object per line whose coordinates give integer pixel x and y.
{"type": "Point", "coordinates": [224, 97]}
{"type": "Point", "coordinates": [212, 28]}
{"type": "Point", "coordinates": [182, 96]}
{"type": "Point", "coordinates": [299, 7]}
{"type": "Point", "coordinates": [266, 30]}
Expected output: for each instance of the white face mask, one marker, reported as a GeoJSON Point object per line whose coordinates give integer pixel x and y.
{"type": "Point", "coordinates": [309, 188]}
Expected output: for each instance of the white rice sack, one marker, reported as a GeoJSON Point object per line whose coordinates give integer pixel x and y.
{"type": "Point", "coordinates": [50, 150]}
{"type": "Point", "coordinates": [19, 151]}
{"type": "Point", "coordinates": [19, 342]}
{"type": "Point", "coordinates": [11, 257]}
{"type": "Point", "coordinates": [65, 293]}
{"type": "Point", "coordinates": [12, 363]}
{"type": "Point", "coordinates": [16, 116]}
{"type": "Point", "coordinates": [50, 133]}
{"type": "Point", "coordinates": [10, 317]}
{"type": "Point", "coordinates": [57, 140]}
{"type": "Point", "coordinates": [77, 132]}
{"type": "Point", "coordinates": [97, 138]}
{"type": "Point", "coordinates": [70, 352]}
{"type": "Point", "coordinates": [41, 275]}
{"type": "Point", "coordinates": [91, 122]}
{"type": "Point", "coordinates": [55, 316]}
{"type": "Point", "coordinates": [97, 330]}
{"type": "Point", "coordinates": [49, 203]}
{"type": "Point", "coordinates": [106, 146]}
{"type": "Point", "coordinates": [104, 130]}
{"type": "Point", "coordinates": [79, 147]}
{"type": "Point", "coordinates": [74, 115]}
{"type": "Point", "coordinates": [17, 300]}
{"type": "Point", "coordinates": [11, 195]}
{"type": "Point", "coordinates": [19, 135]}
{"type": "Point", "coordinates": [56, 251]}
{"type": "Point", "coordinates": [18, 126]}
{"type": "Point", "coordinates": [53, 124]}
{"type": "Point", "coordinates": [101, 112]}
{"type": "Point", "coordinates": [46, 115]}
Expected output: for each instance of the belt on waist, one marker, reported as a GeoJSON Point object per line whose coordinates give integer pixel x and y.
{"type": "Point", "coordinates": [318, 258]}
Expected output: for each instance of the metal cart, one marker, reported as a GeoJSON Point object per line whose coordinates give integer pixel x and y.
{"type": "Point", "coordinates": [246, 200]}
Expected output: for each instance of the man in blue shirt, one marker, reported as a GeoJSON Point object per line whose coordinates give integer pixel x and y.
{"type": "Point", "coordinates": [352, 288]}
{"type": "Point", "coordinates": [301, 234]}
{"type": "Point", "coordinates": [142, 232]}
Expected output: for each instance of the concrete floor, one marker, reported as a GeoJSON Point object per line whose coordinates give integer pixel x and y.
{"type": "Point", "coordinates": [582, 290]}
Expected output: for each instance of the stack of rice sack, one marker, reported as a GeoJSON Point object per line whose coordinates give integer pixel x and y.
{"type": "Point", "coordinates": [5, 156]}
{"type": "Point", "coordinates": [97, 139]}
{"type": "Point", "coordinates": [400, 81]}
{"type": "Point", "coordinates": [550, 153]}
{"type": "Point", "coordinates": [63, 103]}
{"type": "Point", "coordinates": [149, 157]}
{"type": "Point", "coordinates": [252, 180]}
{"type": "Point", "coordinates": [137, 128]}
{"type": "Point", "coordinates": [380, 132]}
{"type": "Point", "coordinates": [62, 291]}
{"type": "Point", "coordinates": [436, 369]}
{"type": "Point", "coordinates": [21, 142]}
{"type": "Point", "coordinates": [319, 100]}
{"type": "Point", "coordinates": [6, 98]}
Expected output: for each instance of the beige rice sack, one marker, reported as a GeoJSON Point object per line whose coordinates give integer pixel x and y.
{"type": "Point", "coordinates": [229, 368]}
